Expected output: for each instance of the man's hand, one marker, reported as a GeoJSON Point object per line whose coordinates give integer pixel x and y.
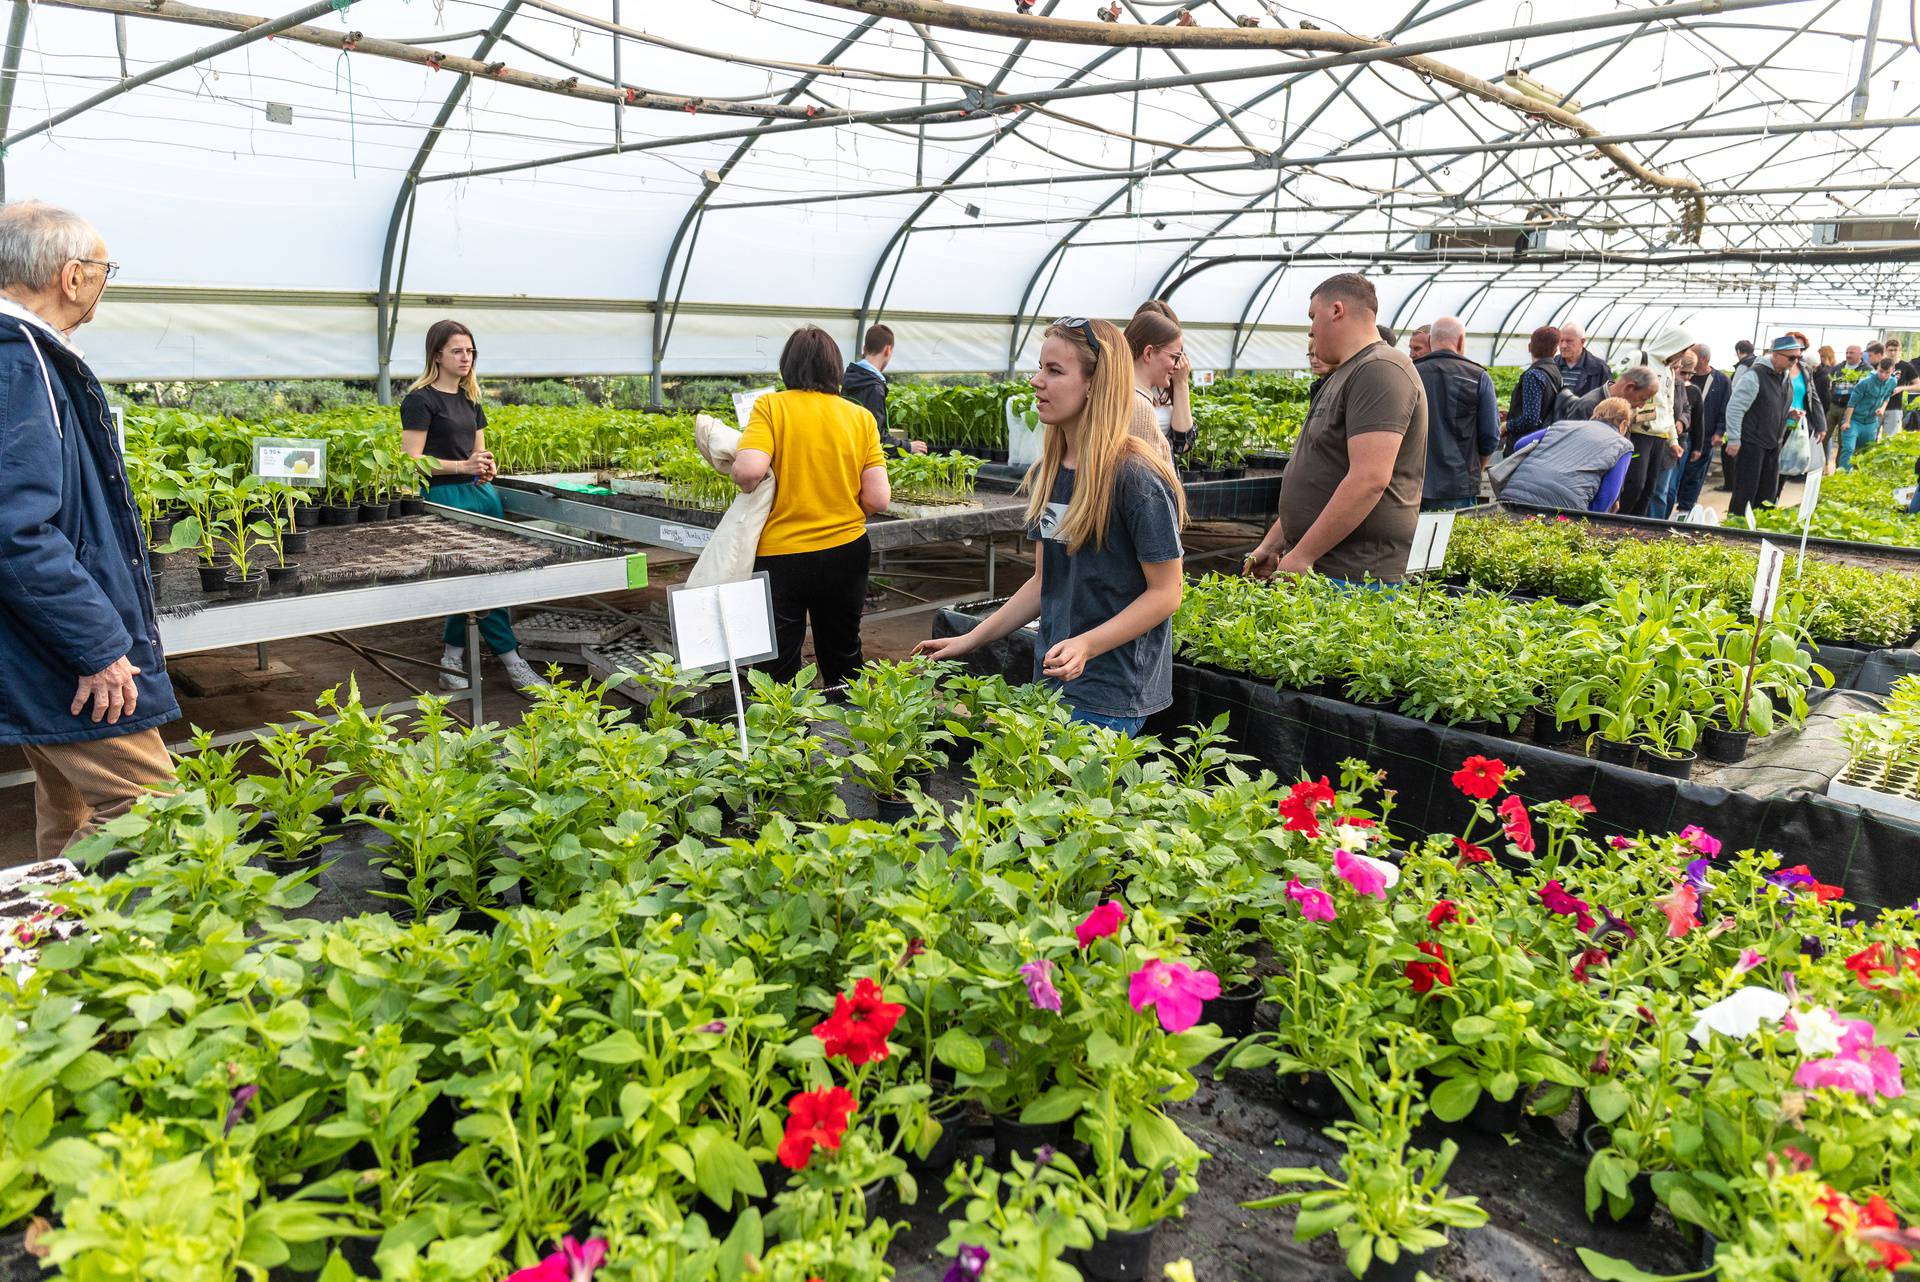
{"type": "Point", "coordinates": [1293, 563]}
{"type": "Point", "coordinates": [110, 690]}
{"type": "Point", "coordinates": [1067, 660]}
{"type": "Point", "coordinates": [916, 447]}
{"type": "Point", "coordinates": [1696, 456]}
{"type": "Point", "coordinates": [1261, 562]}
{"type": "Point", "coordinates": [1678, 449]}
{"type": "Point", "coordinates": [1733, 450]}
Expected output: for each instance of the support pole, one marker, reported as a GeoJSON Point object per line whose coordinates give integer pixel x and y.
{"type": "Point", "coordinates": [9, 76]}
{"type": "Point", "coordinates": [1867, 47]}
{"type": "Point", "coordinates": [251, 34]}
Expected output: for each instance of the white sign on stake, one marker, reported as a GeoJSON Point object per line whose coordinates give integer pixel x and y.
{"type": "Point", "coordinates": [730, 623]}
{"type": "Point", "coordinates": [1204, 377]}
{"type": "Point", "coordinates": [297, 462]}
{"type": "Point", "coordinates": [1809, 497]}
{"type": "Point", "coordinates": [1431, 533]}
{"type": "Point", "coordinates": [743, 404]}
{"type": "Point", "coordinates": [1766, 579]}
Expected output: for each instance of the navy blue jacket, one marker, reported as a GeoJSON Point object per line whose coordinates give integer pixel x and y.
{"type": "Point", "coordinates": [75, 593]}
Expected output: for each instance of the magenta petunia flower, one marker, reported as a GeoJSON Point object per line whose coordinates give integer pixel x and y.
{"type": "Point", "coordinates": [575, 1261]}
{"type": "Point", "coordinates": [1556, 900]}
{"type": "Point", "coordinates": [1362, 874]}
{"type": "Point", "coordinates": [1101, 922]}
{"type": "Point", "coordinates": [1750, 959]}
{"type": "Point", "coordinates": [969, 1266]}
{"type": "Point", "coordinates": [1040, 990]}
{"type": "Point", "coordinates": [1315, 903]}
{"type": "Point", "coordinates": [1174, 990]}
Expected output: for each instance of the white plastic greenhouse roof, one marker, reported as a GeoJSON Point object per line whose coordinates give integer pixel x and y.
{"type": "Point", "coordinates": [855, 160]}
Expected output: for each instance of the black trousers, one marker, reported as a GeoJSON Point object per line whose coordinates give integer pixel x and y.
{"type": "Point", "coordinates": [830, 588]}
{"type": "Point", "coordinates": [1651, 455]}
{"type": "Point", "coordinates": [1756, 478]}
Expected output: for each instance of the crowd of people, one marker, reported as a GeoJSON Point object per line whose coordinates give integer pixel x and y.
{"type": "Point", "coordinates": [1388, 434]}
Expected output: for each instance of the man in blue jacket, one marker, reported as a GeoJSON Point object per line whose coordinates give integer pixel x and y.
{"type": "Point", "coordinates": [83, 682]}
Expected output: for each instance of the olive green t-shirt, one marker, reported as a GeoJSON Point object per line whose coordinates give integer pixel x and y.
{"type": "Point", "coordinates": [1374, 390]}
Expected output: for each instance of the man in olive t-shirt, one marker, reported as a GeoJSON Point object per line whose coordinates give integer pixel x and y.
{"type": "Point", "coordinates": [1350, 497]}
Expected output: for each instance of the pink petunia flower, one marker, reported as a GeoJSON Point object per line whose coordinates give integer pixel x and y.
{"type": "Point", "coordinates": [1174, 990]}
{"type": "Point", "coordinates": [1750, 959]}
{"type": "Point", "coordinates": [1555, 898]}
{"type": "Point", "coordinates": [1701, 840]}
{"type": "Point", "coordinates": [1622, 843]}
{"type": "Point", "coordinates": [1858, 1065]}
{"type": "Point", "coordinates": [1582, 803]}
{"type": "Point", "coordinates": [1361, 873]}
{"type": "Point", "coordinates": [1315, 903]}
{"type": "Point", "coordinates": [575, 1261]}
{"type": "Point", "coordinates": [1040, 990]}
{"type": "Point", "coordinates": [1680, 907]}
{"type": "Point", "coordinates": [1101, 922]}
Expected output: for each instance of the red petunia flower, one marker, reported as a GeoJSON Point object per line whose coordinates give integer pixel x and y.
{"type": "Point", "coordinates": [1442, 913]}
{"type": "Point", "coordinates": [859, 1024]}
{"type": "Point", "coordinates": [1847, 1217]}
{"type": "Point", "coordinates": [1822, 892]}
{"type": "Point", "coordinates": [1583, 803]}
{"type": "Point", "coordinates": [1425, 975]}
{"type": "Point", "coordinates": [1472, 854]}
{"type": "Point", "coordinates": [1298, 807]}
{"type": "Point", "coordinates": [1480, 777]}
{"type": "Point", "coordinates": [1519, 825]}
{"type": "Point", "coordinates": [815, 1118]}
{"type": "Point", "coordinates": [1875, 960]}
{"type": "Point", "coordinates": [1588, 959]}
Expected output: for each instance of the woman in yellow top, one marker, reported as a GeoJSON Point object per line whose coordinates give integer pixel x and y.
{"type": "Point", "coordinates": [829, 475]}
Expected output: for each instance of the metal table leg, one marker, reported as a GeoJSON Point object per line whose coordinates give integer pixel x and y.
{"type": "Point", "coordinates": [991, 594]}
{"type": "Point", "coordinates": [473, 668]}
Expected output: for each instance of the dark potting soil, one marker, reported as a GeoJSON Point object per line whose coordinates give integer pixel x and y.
{"type": "Point", "coordinates": [399, 550]}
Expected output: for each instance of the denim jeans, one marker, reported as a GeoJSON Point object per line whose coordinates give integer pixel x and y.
{"type": "Point", "coordinates": [1852, 437]}
{"type": "Point", "coordinates": [1693, 479]}
{"type": "Point", "coordinates": [1665, 491]}
{"type": "Point", "coordinates": [1448, 505]}
{"type": "Point", "coordinates": [1125, 725]}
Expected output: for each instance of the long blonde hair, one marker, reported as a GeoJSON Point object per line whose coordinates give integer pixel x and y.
{"type": "Point", "coordinates": [1102, 438]}
{"type": "Point", "coordinates": [439, 334]}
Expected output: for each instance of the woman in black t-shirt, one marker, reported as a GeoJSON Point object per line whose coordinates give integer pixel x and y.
{"type": "Point", "coordinates": [442, 419]}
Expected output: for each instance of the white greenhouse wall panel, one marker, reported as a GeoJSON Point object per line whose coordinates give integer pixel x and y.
{"type": "Point", "coordinates": [140, 340]}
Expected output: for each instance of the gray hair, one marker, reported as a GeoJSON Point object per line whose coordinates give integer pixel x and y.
{"type": "Point", "coordinates": [1640, 378]}
{"type": "Point", "coordinates": [38, 239]}
{"type": "Point", "coordinates": [1450, 333]}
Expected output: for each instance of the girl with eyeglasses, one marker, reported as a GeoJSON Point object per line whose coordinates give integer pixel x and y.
{"type": "Point", "coordinates": [442, 419]}
{"type": "Point", "coordinates": [1162, 377]}
{"type": "Point", "coordinates": [1105, 508]}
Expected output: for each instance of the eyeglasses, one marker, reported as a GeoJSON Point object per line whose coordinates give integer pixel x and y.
{"type": "Point", "coordinates": [1085, 327]}
{"type": "Point", "coordinates": [113, 269]}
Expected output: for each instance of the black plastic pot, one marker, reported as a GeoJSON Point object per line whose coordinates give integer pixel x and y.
{"type": "Point", "coordinates": [1011, 1136]}
{"type": "Point", "coordinates": [156, 560]}
{"type": "Point", "coordinates": [1616, 754]}
{"type": "Point", "coordinates": [1313, 1094]}
{"type": "Point", "coordinates": [279, 576]}
{"type": "Point", "coordinates": [1404, 1269]}
{"type": "Point", "coordinates": [280, 866]}
{"type": "Point", "coordinates": [1483, 727]}
{"type": "Point", "coordinates": [294, 542]}
{"type": "Point", "coordinates": [339, 514]}
{"type": "Point", "coordinates": [476, 920]}
{"type": "Point", "coordinates": [1120, 1256]}
{"type": "Point", "coordinates": [882, 1200]}
{"type": "Point", "coordinates": [1639, 1189]}
{"type": "Point", "coordinates": [160, 529]}
{"type": "Point", "coordinates": [946, 1150]}
{"type": "Point", "coordinates": [1549, 734]}
{"type": "Point", "coordinates": [412, 507]}
{"type": "Point", "coordinates": [373, 512]}
{"type": "Point", "coordinates": [213, 578]}
{"type": "Point", "coordinates": [245, 585]}
{"type": "Point", "coordinates": [1675, 767]}
{"type": "Point", "coordinates": [1233, 1010]}
{"type": "Point", "coordinates": [1709, 1249]}
{"type": "Point", "coordinates": [1492, 1117]}
{"type": "Point", "coordinates": [306, 516]}
{"type": "Point", "coordinates": [1720, 744]}
{"type": "Point", "coordinates": [892, 810]}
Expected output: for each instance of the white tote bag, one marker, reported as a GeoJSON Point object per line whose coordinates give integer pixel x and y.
{"type": "Point", "coordinates": [728, 556]}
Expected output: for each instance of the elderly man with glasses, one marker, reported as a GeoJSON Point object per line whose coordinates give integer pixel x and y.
{"type": "Point", "coordinates": [83, 682]}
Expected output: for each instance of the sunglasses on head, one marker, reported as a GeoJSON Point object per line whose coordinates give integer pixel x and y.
{"type": "Point", "coordinates": [1085, 327]}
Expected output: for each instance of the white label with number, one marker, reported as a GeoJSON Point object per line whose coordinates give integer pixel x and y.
{"type": "Point", "coordinates": [684, 536]}
{"type": "Point", "coordinates": [743, 405]}
{"type": "Point", "coordinates": [1766, 579]}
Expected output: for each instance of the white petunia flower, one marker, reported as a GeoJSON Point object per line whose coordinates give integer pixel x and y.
{"type": "Point", "coordinates": [1739, 1014]}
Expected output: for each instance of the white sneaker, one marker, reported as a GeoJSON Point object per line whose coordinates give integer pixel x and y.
{"type": "Point", "coordinates": [521, 673]}
{"type": "Point", "coordinates": [457, 660]}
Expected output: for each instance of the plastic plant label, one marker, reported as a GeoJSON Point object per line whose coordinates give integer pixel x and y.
{"type": "Point", "coordinates": [296, 462]}
{"type": "Point", "coordinates": [723, 623]}
{"type": "Point", "coordinates": [743, 405]}
{"type": "Point", "coordinates": [1810, 497]}
{"type": "Point", "coordinates": [637, 570]}
{"type": "Point", "coordinates": [1203, 378]}
{"type": "Point", "coordinates": [1766, 579]}
{"type": "Point", "coordinates": [1431, 534]}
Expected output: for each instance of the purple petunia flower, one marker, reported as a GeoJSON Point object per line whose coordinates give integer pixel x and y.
{"type": "Point", "coordinates": [1044, 1155]}
{"type": "Point", "coordinates": [968, 1266]}
{"type": "Point", "coordinates": [1612, 923]}
{"type": "Point", "coordinates": [1697, 872]}
{"type": "Point", "coordinates": [1813, 948]}
{"type": "Point", "coordinates": [713, 1026]}
{"type": "Point", "coordinates": [1040, 990]}
{"type": "Point", "coordinates": [242, 1101]}
{"type": "Point", "coordinates": [1791, 879]}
